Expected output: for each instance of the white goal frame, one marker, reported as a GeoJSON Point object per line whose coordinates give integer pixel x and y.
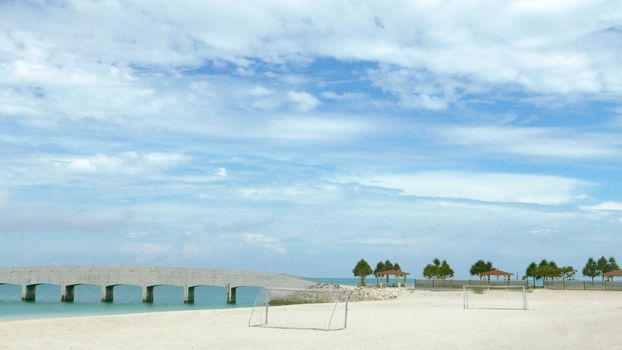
{"type": "Point", "coordinates": [343, 297]}
{"type": "Point", "coordinates": [466, 301]}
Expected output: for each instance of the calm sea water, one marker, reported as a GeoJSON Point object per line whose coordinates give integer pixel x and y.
{"type": "Point", "coordinates": [127, 299]}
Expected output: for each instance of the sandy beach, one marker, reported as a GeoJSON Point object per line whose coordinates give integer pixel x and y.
{"type": "Point", "coordinates": [419, 319]}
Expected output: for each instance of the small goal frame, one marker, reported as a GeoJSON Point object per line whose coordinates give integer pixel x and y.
{"type": "Point", "coordinates": [343, 298]}
{"type": "Point", "coordinates": [466, 301]}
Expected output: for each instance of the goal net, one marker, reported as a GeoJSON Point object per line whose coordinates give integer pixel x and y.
{"type": "Point", "coordinates": [495, 297]}
{"type": "Point", "coordinates": [324, 309]}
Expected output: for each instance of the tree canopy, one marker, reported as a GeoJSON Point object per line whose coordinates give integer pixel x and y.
{"type": "Point", "coordinates": [438, 269]}
{"type": "Point", "coordinates": [605, 265]}
{"type": "Point", "coordinates": [549, 269]}
{"type": "Point", "coordinates": [591, 268]}
{"type": "Point", "coordinates": [480, 267]}
{"type": "Point", "coordinates": [362, 270]}
{"type": "Point", "coordinates": [385, 266]}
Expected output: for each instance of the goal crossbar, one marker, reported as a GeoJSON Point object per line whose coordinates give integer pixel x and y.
{"type": "Point", "coordinates": [466, 300]}
{"type": "Point", "coordinates": [343, 296]}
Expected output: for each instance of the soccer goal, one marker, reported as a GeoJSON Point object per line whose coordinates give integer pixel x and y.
{"type": "Point", "coordinates": [494, 297]}
{"type": "Point", "coordinates": [325, 308]}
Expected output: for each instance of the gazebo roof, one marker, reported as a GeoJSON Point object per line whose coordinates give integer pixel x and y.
{"type": "Point", "coordinates": [496, 272]}
{"type": "Point", "coordinates": [614, 273]}
{"type": "Point", "coordinates": [393, 272]}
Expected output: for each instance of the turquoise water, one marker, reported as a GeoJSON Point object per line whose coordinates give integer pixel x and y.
{"type": "Point", "coordinates": [127, 299]}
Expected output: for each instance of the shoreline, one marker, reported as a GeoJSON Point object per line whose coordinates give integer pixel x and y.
{"type": "Point", "coordinates": [422, 319]}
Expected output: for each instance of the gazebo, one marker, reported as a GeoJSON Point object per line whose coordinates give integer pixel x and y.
{"type": "Point", "coordinates": [397, 273]}
{"type": "Point", "coordinates": [612, 274]}
{"type": "Point", "coordinates": [497, 272]}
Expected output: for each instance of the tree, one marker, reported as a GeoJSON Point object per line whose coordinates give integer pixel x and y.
{"type": "Point", "coordinates": [379, 268]}
{"type": "Point", "coordinates": [546, 269]}
{"type": "Point", "coordinates": [429, 271]}
{"type": "Point", "coordinates": [438, 269]}
{"type": "Point", "coordinates": [567, 272]}
{"type": "Point", "coordinates": [552, 271]}
{"type": "Point", "coordinates": [602, 264]}
{"type": "Point", "coordinates": [388, 266]}
{"type": "Point", "coordinates": [397, 266]}
{"type": "Point", "coordinates": [532, 272]}
{"type": "Point", "coordinates": [362, 270]}
{"type": "Point", "coordinates": [480, 267]}
{"type": "Point", "coordinates": [590, 269]}
{"type": "Point", "coordinates": [445, 271]}
{"type": "Point", "coordinates": [432, 270]}
{"type": "Point", "coordinates": [612, 264]}
{"type": "Point", "coordinates": [606, 265]}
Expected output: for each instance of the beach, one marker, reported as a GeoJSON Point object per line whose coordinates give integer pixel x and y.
{"type": "Point", "coordinates": [416, 319]}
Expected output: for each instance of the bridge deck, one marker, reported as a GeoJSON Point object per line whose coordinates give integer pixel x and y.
{"type": "Point", "coordinates": [146, 277]}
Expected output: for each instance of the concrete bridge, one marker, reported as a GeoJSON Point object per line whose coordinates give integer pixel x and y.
{"type": "Point", "coordinates": [107, 277]}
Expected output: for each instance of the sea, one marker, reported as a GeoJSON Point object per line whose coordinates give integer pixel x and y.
{"type": "Point", "coordinates": [127, 299]}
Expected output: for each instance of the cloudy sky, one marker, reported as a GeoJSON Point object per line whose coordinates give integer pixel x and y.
{"type": "Point", "coordinates": [301, 136]}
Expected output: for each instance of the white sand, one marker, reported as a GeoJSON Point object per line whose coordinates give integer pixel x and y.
{"type": "Point", "coordinates": [418, 320]}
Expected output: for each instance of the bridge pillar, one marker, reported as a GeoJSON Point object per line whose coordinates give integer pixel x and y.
{"type": "Point", "coordinates": [189, 295]}
{"type": "Point", "coordinates": [29, 292]}
{"type": "Point", "coordinates": [107, 294]}
{"type": "Point", "coordinates": [148, 294]}
{"type": "Point", "coordinates": [231, 294]}
{"type": "Point", "coordinates": [67, 294]}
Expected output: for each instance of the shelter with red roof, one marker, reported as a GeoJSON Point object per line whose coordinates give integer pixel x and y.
{"type": "Point", "coordinates": [498, 273]}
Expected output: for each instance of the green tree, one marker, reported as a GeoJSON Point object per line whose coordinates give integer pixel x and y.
{"type": "Point", "coordinates": [388, 265]}
{"type": "Point", "coordinates": [397, 266]}
{"type": "Point", "coordinates": [532, 272]}
{"type": "Point", "coordinates": [552, 271]}
{"type": "Point", "coordinates": [590, 269]}
{"type": "Point", "coordinates": [429, 271]}
{"type": "Point", "coordinates": [379, 268]}
{"type": "Point", "coordinates": [567, 272]}
{"type": "Point", "coordinates": [602, 265]}
{"type": "Point", "coordinates": [606, 265]}
{"type": "Point", "coordinates": [480, 267]}
{"type": "Point", "coordinates": [547, 269]}
{"type": "Point", "coordinates": [612, 264]}
{"type": "Point", "coordinates": [438, 269]}
{"type": "Point", "coordinates": [362, 270]}
{"type": "Point", "coordinates": [445, 271]}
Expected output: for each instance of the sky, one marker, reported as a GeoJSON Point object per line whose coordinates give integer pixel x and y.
{"type": "Point", "coordinates": [302, 136]}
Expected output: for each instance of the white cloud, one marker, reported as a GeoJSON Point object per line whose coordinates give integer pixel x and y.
{"type": "Point", "coordinates": [314, 129]}
{"type": "Point", "coordinates": [271, 243]}
{"type": "Point", "coordinates": [435, 50]}
{"type": "Point", "coordinates": [346, 96]}
{"type": "Point", "coordinates": [221, 172]}
{"type": "Point", "coordinates": [492, 187]}
{"type": "Point", "coordinates": [543, 232]}
{"type": "Point", "coordinates": [129, 162]}
{"type": "Point", "coordinates": [606, 206]}
{"type": "Point", "coordinates": [39, 219]}
{"type": "Point", "coordinates": [319, 192]}
{"type": "Point", "coordinates": [146, 251]}
{"type": "Point", "coordinates": [534, 141]}
{"type": "Point", "coordinates": [303, 101]}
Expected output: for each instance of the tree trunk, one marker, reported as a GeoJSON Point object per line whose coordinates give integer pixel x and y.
{"type": "Point", "coordinates": [362, 280]}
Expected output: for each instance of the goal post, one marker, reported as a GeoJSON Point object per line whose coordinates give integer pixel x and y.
{"type": "Point", "coordinates": [325, 308]}
{"type": "Point", "coordinates": [494, 297]}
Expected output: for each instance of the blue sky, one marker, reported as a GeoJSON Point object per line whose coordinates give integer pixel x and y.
{"type": "Point", "coordinates": [301, 136]}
